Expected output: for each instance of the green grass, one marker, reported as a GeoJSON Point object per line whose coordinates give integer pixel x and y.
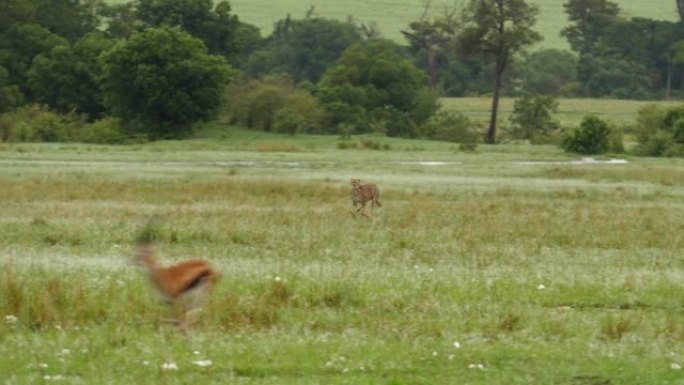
{"type": "Point", "coordinates": [545, 273]}
{"type": "Point", "coordinates": [393, 16]}
{"type": "Point", "coordinates": [570, 111]}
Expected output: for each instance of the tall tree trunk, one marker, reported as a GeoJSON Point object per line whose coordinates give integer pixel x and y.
{"type": "Point", "coordinates": [498, 80]}
{"type": "Point", "coordinates": [668, 81]}
{"type": "Point", "coordinates": [498, 75]}
{"type": "Point", "coordinates": [433, 67]}
{"type": "Point", "coordinates": [680, 8]}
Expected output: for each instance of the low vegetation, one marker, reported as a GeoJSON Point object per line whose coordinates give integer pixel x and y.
{"type": "Point", "coordinates": [503, 266]}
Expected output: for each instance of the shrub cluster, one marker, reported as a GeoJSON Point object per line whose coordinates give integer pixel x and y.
{"type": "Point", "coordinates": [592, 137]}
{"type": "Point", "coordinates": [275, 104]}
{"type": "Point", "coordinates": [660, 131]}
{"type": "Point", "coordinates": [36, 123]}
{"type": "Point", "coordinates": [452, 126]}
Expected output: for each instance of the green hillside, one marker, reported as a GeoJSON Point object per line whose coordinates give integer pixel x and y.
{"type": "Point", "coordinates": [391, 16]}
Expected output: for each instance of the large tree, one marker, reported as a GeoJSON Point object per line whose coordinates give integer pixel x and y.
{"type": "Point", "coordinates": [374, 86]}
{"type": "Point", "coordinates": [69, 19]}
{"type": "Point", "coordinates": [431, 38]}
{"type": "Point", "coordinates": [303, 48]}
{"type": "Point", "coordinates": [589, 20]}
{"type": "Point", "coordinates": [215, 25]}
{"type": "Point", "coordinates": [650, 44]}
{"type": "Point", "coordinates": [10, 96]}
{"type": "Point", "coordinates": [66, 78]}
{"type": "Point", "coordinates": [499, 29]}
{"type": "Point", "coordinates": [549, 72]}
{"type": "Point", "coordinates": [19, 45]}
{"type": "Point", "coordinates": [161, 81]}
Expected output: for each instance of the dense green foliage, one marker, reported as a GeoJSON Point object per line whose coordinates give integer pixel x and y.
{"type": "Point", "coordinates": [452, 126]}
{"type": "Point", "coordinates": [35, 123]}
{"type": "Point", "coordinates": [67, 77]}
{"type": "Point", "coordinates": [549, 72]}
{"type": "Point", "coordinates": [592, 137]}
{"type": "Point", "coordinates": [660, 131]}
{"type": "Point", "coordinates": [374, 87]}
{"type": "Point", "coordinates": [275, 104]}
{"type": "Point", "coordinates": [532, 118]}
{"type": "Point", "coordinates": [161, 81]}
{"type": "Point", "coordinates": [304, 49]}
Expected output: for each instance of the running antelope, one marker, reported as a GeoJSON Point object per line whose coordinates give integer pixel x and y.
{"type": "Point", "coordinates": [362, 193]}
{"type": "Point", "coordinates": [185, 285]}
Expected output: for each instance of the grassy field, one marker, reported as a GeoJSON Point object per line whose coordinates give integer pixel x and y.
{"type": "Point", "coordinates": [570, 111]}
{"type": "Point", "coordinates": [393, 16]}
{"type": "Point", "coordinates": [510, 265]}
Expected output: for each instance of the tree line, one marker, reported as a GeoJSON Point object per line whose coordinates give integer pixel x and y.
{"type": "Point", "coordinates": [153, 68]}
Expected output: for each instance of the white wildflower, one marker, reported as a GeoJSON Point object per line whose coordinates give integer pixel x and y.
{"type": "Point", "coordinates": [476, 366]}
{"type": "Point", "coordinates": [435, 354]}
{"type": "Point", "coordinates": [56, 377]}
{"type": "Point", "coordinates": [451, 357]}
{"type": "Point", "coordinates": [43, 365]}
{"type": "Point", "coordinates": [541, 287]}
{"type": "Point", "coordinates": [169, 366]}
{"type": "Point", "coordinates": [278, 279]}
{"type": "Point", "coordinates": [202, 363]}
{"type": "Point", "coordinates": [457, 345]}
{"type": "Point", "coordinates": [145, 362]}
{"type": "Point", "coordinates": [11, 319]}
{"type": "Point", "coordinates": [196, 352]}
{"type": "Point", "coordinates": [675, 366]}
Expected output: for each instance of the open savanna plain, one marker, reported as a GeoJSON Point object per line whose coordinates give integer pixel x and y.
{"type": "Point", "coordinates": [509, 265]}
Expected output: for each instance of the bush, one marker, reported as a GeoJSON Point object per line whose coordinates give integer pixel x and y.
{"type": "Point", "coordinates": [104, 131]}
{"type": "Point", "coordinates": [532, 118]}
{"type": "Point", "coordinates": [592, 137]}
{"type": "Point", "coordinates": [660, 131]}
{"type": "Point", "coordinates": [616, 141]}
{"type": "Point", "coordinates": [36, 123]}
{"type": "Point", "coordinates": [678, 131]}
{"type": "Point", "coordinates": [374, 87]}
{"type": "Point", "coordinates": [656, 144]}
{"type": "Point", "coordinates": [274, 104]}
{"type": "Point", "coordinates": [451, 126]}
{"type": "Point", "coordinates": [301, 113]}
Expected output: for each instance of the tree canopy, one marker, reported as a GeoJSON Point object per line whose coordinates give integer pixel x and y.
{"type": "Point", "coordinates": [374, 86]}
{"type": "Point", "coordinates": [304, 48]}
{"type": "Point", "coordinates": [162, 80]}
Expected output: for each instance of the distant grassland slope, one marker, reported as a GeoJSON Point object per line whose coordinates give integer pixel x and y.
{"type": "Point", "coordinates": [391, 16]}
